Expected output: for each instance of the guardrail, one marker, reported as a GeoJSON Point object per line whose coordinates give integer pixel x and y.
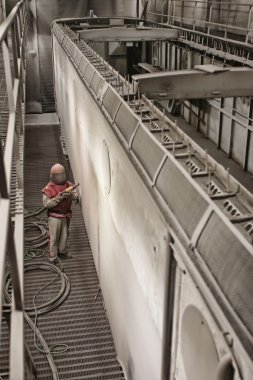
{"type": "Point", "coordinates": [228, 20]}
{"type": "Point", "coordinates": [12, 40]}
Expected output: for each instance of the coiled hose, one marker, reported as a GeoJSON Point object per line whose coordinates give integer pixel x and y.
{"type": "Point", "coordinates": [33, 244]}
{"type": "Point", "coordinates": [32, 250]}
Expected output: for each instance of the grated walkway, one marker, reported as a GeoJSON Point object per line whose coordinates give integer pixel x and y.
{"type": "Point", "coordinates": [80, 322]}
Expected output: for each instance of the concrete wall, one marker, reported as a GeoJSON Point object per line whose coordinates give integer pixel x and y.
{"type": "Point", "coordinates": [130, 247]}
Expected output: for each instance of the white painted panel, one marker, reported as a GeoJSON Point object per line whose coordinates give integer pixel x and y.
{"type": "Point", "coordinates": [129, 247]}
{"type": "Point", "coordinates": [250, 158]}
{"type": "Point", "coordinates": [213, 125]}
{"type": "Point", "coordinates": [239, 143]}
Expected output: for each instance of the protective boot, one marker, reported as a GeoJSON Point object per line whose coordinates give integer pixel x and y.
{"type": "Point", "coordinates": [52, 261]}
{"type": "Point", "coordinates": [65, 255]}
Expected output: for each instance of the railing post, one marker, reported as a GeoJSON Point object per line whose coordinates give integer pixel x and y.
{"type": "Point", "coordinates": [8, 76]}
{"type": "Point", "coordinates": [182, 13]}
{"type": "Point", "coordinates": [12, 140]}
{"type": "Point", "coordinates": [4, 214]}
{"type": "Point", "coordinates": [226, 26]}
{"type": "Point", "coordinates": [174, 11]}
{"type": "Point", "coordinates": [169, 12]}
{"type": "Point", "coordinates": [210, 18]}
{"type": "Point", "coordinates": [2, 11]}
{"type": "Point", "coordinates": [249, 26]}
{"type": "Point", "coordinates": [194, 15]}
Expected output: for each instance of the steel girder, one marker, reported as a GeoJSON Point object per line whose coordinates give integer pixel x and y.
{"type": "Point", "coordinates": [205, 81]}
{"type": "Point", "coordinates": [128, 34]}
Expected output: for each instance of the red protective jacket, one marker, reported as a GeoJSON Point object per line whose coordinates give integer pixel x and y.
{"type": "Point", "coordinates": [62, 209]}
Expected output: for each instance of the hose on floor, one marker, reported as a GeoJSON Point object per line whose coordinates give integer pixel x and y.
{"type": "Point", "coordinates": [33, 250]}
{"type": "Point", "coordinates": [39, 230]}
{"type": "Point", "coordinates": [33, 212]}
{"type": "Point", "coordinates": [36, 310]}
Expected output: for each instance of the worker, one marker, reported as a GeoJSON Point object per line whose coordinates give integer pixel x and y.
{"type": "Point", "coordinates": [57, 198]}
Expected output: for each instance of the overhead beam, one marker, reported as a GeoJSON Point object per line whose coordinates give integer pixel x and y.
{"type": "Point", "coordinates": [128, 34]}
{"type": "Point", "coordinates": [205, 81]}
{"type": "Point", "coordinates": [147, 67]}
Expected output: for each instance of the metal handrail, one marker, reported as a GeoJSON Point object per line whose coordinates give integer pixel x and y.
{"type": "Point", "coordinates": [10, 19]}
{"type": "Point", "coordinates": [11, 240]}
{"type": "Point", "coordinates": [211, 2]}
{"type": "Point", "coordinates": [208, 22]}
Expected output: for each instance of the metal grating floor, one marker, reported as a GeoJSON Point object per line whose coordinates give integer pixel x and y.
{"type": "Point", "coordinates": [80, 322]}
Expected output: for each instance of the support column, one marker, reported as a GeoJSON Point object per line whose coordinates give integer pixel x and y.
{"type": "Point", "coordinates": [33, 95]}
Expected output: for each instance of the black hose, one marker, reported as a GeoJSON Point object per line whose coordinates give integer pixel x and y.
{"type": "Point", "coordinates": [44, 345]}
{"type": "Point", "coordinates": [34, 244]}
{"type": "Point", "coordinates": [53, 303]}
{"type": "Point", "coordinates": [28, 213]}
{"type": "Point", "coordinates": [32, 250]}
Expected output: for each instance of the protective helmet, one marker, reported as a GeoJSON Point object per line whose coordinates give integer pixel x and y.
{"type": "Point", "coordinates": [58, 174]}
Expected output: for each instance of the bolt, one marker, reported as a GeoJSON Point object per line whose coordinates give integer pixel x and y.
{"type": "Point", "coordinates": [206, 160]}
{"type": "Point", "coordinates": [228, 180]}
{"type": "Point", "coordinates": [176, 128]}
{"type": "Point", "coordinates": [163, 125]}
{"type": "Point", "coordinates": [209, 181]}
{"type": "Point", "coordinates": [228, 339]}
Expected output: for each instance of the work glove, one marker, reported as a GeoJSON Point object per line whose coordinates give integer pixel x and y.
{"type": "Point", "coordinates": [59, 197]}
{"type": "Point", "coordinates": [66, 195]}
